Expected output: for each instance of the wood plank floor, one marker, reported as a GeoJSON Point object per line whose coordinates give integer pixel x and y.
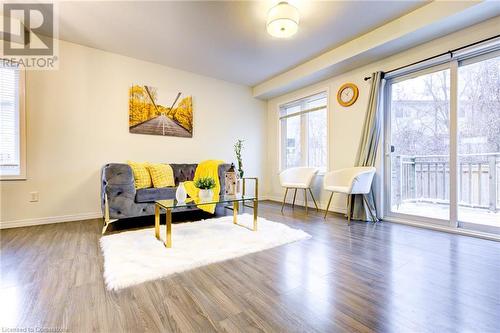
{"type": "Point", "coordinates": [364, 278]}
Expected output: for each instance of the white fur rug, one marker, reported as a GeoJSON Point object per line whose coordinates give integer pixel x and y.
{"type": "Point", "coordinates": [137, 256]}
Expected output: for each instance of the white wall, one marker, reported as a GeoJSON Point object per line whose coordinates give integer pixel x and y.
{"type": "Point", "coordinates": [77, 120]}
{"type": "Point", "coordinates": [345, 124]}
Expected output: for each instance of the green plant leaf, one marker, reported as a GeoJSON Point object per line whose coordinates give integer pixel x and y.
{"type": "Point", "coordinates": [205, 183]}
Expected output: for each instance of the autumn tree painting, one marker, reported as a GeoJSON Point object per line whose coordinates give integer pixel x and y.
{"type": "Point", "coordinates": [170, 114]}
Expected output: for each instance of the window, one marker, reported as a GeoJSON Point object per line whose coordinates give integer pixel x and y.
{"type": "Point", "coordinates": [12, 141]}
{"type": "Point", "coordinates": [478, 142]}
{"type": "Point", "coordinates": [304, 136]}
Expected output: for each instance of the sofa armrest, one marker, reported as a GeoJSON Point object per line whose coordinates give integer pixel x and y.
{"type": "Point", "coordinates": [117, 185]}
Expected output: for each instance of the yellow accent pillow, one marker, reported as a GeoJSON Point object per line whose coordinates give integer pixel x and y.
{"type": "Point", "coordinates": [142, 179]}
{"type": "Point", "coordinates": [162, 175]}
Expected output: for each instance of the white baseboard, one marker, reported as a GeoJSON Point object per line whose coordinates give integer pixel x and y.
{"type": "Point", "coordinates": [310, 203]}
{"type": "Point", "coordinates": [49, 220]}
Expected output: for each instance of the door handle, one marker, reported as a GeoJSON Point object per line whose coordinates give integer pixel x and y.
{"type": "Point", "coordinates": [389, 149]}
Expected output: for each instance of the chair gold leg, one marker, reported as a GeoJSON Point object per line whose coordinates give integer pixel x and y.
{"type": "Point", "coordinates": [349, 201]}
{"type": "Point", "coordinates": [328, 205]}
{"type": "Point", "coordinates": [314, 200]}
{"type": "Point", "coordinates": [294, 195]}
{"type": "Point", "coordinates": [255, 212]}
{"type": "Point", "coordinates": [284, 198]}
{"type": "Point", "coordinates": [305, 198]}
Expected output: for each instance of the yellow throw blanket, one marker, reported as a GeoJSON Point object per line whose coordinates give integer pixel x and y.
{"type": "Point", "coordinates": [209, 168]}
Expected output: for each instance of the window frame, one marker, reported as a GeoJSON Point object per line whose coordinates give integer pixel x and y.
{"type": "Point", "coordinates": [22, 129]}
{"type": "Point", "coordinates": [304, 128]}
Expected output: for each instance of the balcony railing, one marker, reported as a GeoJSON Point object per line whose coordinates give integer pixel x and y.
{"type": "Point", "coordinates": [426, 178]}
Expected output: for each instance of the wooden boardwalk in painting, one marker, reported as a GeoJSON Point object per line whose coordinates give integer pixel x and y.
{"type": "Point", "coordinates": [161, 125]}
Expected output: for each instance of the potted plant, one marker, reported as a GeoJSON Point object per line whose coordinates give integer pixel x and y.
{"type": "Point", "coordinates": [238, 147]}
{"type": "Point", "coordinates": [205, 184]}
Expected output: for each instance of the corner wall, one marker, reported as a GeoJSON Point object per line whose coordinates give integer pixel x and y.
{"type": "Point", "coordinates": [77, 120]}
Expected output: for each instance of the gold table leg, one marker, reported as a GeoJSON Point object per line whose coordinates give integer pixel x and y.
{"type": "Point", "coordinates": [255, 211]}
{"type": "Point", "coordinates": [157, 221]}
{"type": "Point", "coordinates": [236, 206]}
{"type": "Point", "coordinates": [168, 243]}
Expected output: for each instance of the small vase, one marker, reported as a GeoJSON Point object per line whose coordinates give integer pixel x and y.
{"type": "Point", "coordinates": [206, 195]}
{"type": "Point", "coordinates": [181, 194]}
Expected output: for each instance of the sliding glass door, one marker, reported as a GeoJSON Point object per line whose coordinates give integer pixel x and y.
{"type": "Point", "coordinates": [419, 139]}
{"type": "Point", "coordinates": [479, 144]}
{"type": "Point", "coordinates": [443, 144]}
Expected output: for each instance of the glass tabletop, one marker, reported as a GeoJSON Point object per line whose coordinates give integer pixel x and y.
{"type": "Point", "coordinates": [190, 202]}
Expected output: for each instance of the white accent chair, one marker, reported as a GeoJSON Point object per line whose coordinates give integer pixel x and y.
{"type": "Point", "coordinates": [356, 180]}
{"type": "Point", "coordinates": [298, 178]}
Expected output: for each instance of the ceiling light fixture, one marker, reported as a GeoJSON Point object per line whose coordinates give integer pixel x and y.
{"type": "Point", "coordinates": [283, 20]}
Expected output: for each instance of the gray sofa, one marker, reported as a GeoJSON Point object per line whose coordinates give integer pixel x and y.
{"type": "Point", "coordinates": [120, 199]}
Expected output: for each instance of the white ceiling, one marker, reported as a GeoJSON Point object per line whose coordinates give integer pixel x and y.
{"type": "Point", "coordinates": [429, 22]}
{"type": "Point", "coordinates": [225, 40]}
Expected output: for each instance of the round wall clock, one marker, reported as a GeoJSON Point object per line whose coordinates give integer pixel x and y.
{"type": "Point", "coordinates": [347, 94]}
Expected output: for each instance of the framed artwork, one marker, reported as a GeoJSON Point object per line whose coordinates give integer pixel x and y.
{"type": "Point", "coordinates": [160, 113]}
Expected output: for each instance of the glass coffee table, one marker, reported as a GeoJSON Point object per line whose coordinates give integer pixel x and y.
{"type": "Point", "coordinates": [171, 204]}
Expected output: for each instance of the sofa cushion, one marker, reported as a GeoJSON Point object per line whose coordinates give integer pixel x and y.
{"type": "Point", "coordinates": [141, 174]}
{"type": "Point", "coordinates": [161, 175]}
{"type": "Point", "coordinates": [183, 172]}
{"type": "Point", "coordinates": [153, 194]}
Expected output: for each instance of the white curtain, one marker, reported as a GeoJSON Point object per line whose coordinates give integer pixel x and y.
{"type": "Point", "coordinates": [367, 150]}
